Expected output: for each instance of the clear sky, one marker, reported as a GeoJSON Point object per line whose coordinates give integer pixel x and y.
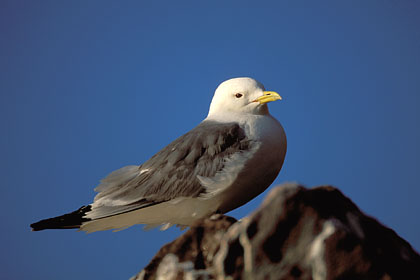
{"type": "Point", "coordinates": [87, 87]}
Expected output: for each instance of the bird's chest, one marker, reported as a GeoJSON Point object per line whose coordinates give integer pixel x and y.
{"type": "Point", "coordinates": [268, 134]}
{"type": "Point", "coordinates": [261, 167]}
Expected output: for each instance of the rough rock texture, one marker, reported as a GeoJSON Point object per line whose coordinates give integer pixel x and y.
{"type": "Point", "coordinates": [297, 233]}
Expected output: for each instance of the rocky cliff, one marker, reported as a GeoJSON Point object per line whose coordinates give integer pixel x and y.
{"type": "Point", "coordinates": [297, 233]}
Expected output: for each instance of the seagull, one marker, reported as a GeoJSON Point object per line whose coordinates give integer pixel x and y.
{"type": "Point", "coordinates": [232, 156]}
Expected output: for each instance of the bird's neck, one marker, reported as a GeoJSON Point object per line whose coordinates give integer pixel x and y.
{"type": "Point", "coordinates": [226, 117]}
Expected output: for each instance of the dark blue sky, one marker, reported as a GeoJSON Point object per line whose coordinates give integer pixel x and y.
{"type": "Point", "coordinates": [87, 87]}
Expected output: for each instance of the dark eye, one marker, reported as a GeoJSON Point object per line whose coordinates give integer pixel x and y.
{"type": "Point", "coordinates": [238, 95]}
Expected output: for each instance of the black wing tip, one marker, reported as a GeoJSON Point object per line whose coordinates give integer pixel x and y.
{"type": "Point", "coordinates": [66, 221]}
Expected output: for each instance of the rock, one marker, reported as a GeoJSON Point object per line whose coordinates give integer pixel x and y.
{"type": "Point", "coordinates": [192, 253]}
{"type": "Point", "coordinates": [297, 233]}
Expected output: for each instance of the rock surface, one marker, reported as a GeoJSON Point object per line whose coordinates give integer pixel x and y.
{"type": "Point", "coordinates": [297, 233]}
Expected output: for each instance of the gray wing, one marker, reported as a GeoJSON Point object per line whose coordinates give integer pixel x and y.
{"type": "Point", "coordinates": [173, 172]}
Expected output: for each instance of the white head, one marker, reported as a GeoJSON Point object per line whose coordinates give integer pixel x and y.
{"type": "Point", "coordinates": [241, 95]}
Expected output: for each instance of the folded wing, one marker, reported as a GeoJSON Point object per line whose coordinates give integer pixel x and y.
{"type": "Point", "coordinates": [193, 165]}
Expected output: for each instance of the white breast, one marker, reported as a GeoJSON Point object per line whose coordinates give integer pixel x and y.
{"type": "Point", "coordinates": [262, 167]}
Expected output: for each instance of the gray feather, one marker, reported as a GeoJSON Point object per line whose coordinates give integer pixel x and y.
{"type": "Point", "coordinates": [174, 171]}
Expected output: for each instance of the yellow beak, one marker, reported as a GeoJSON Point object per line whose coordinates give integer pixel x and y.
{"type": "Point", "coordinates": [268, 96]}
